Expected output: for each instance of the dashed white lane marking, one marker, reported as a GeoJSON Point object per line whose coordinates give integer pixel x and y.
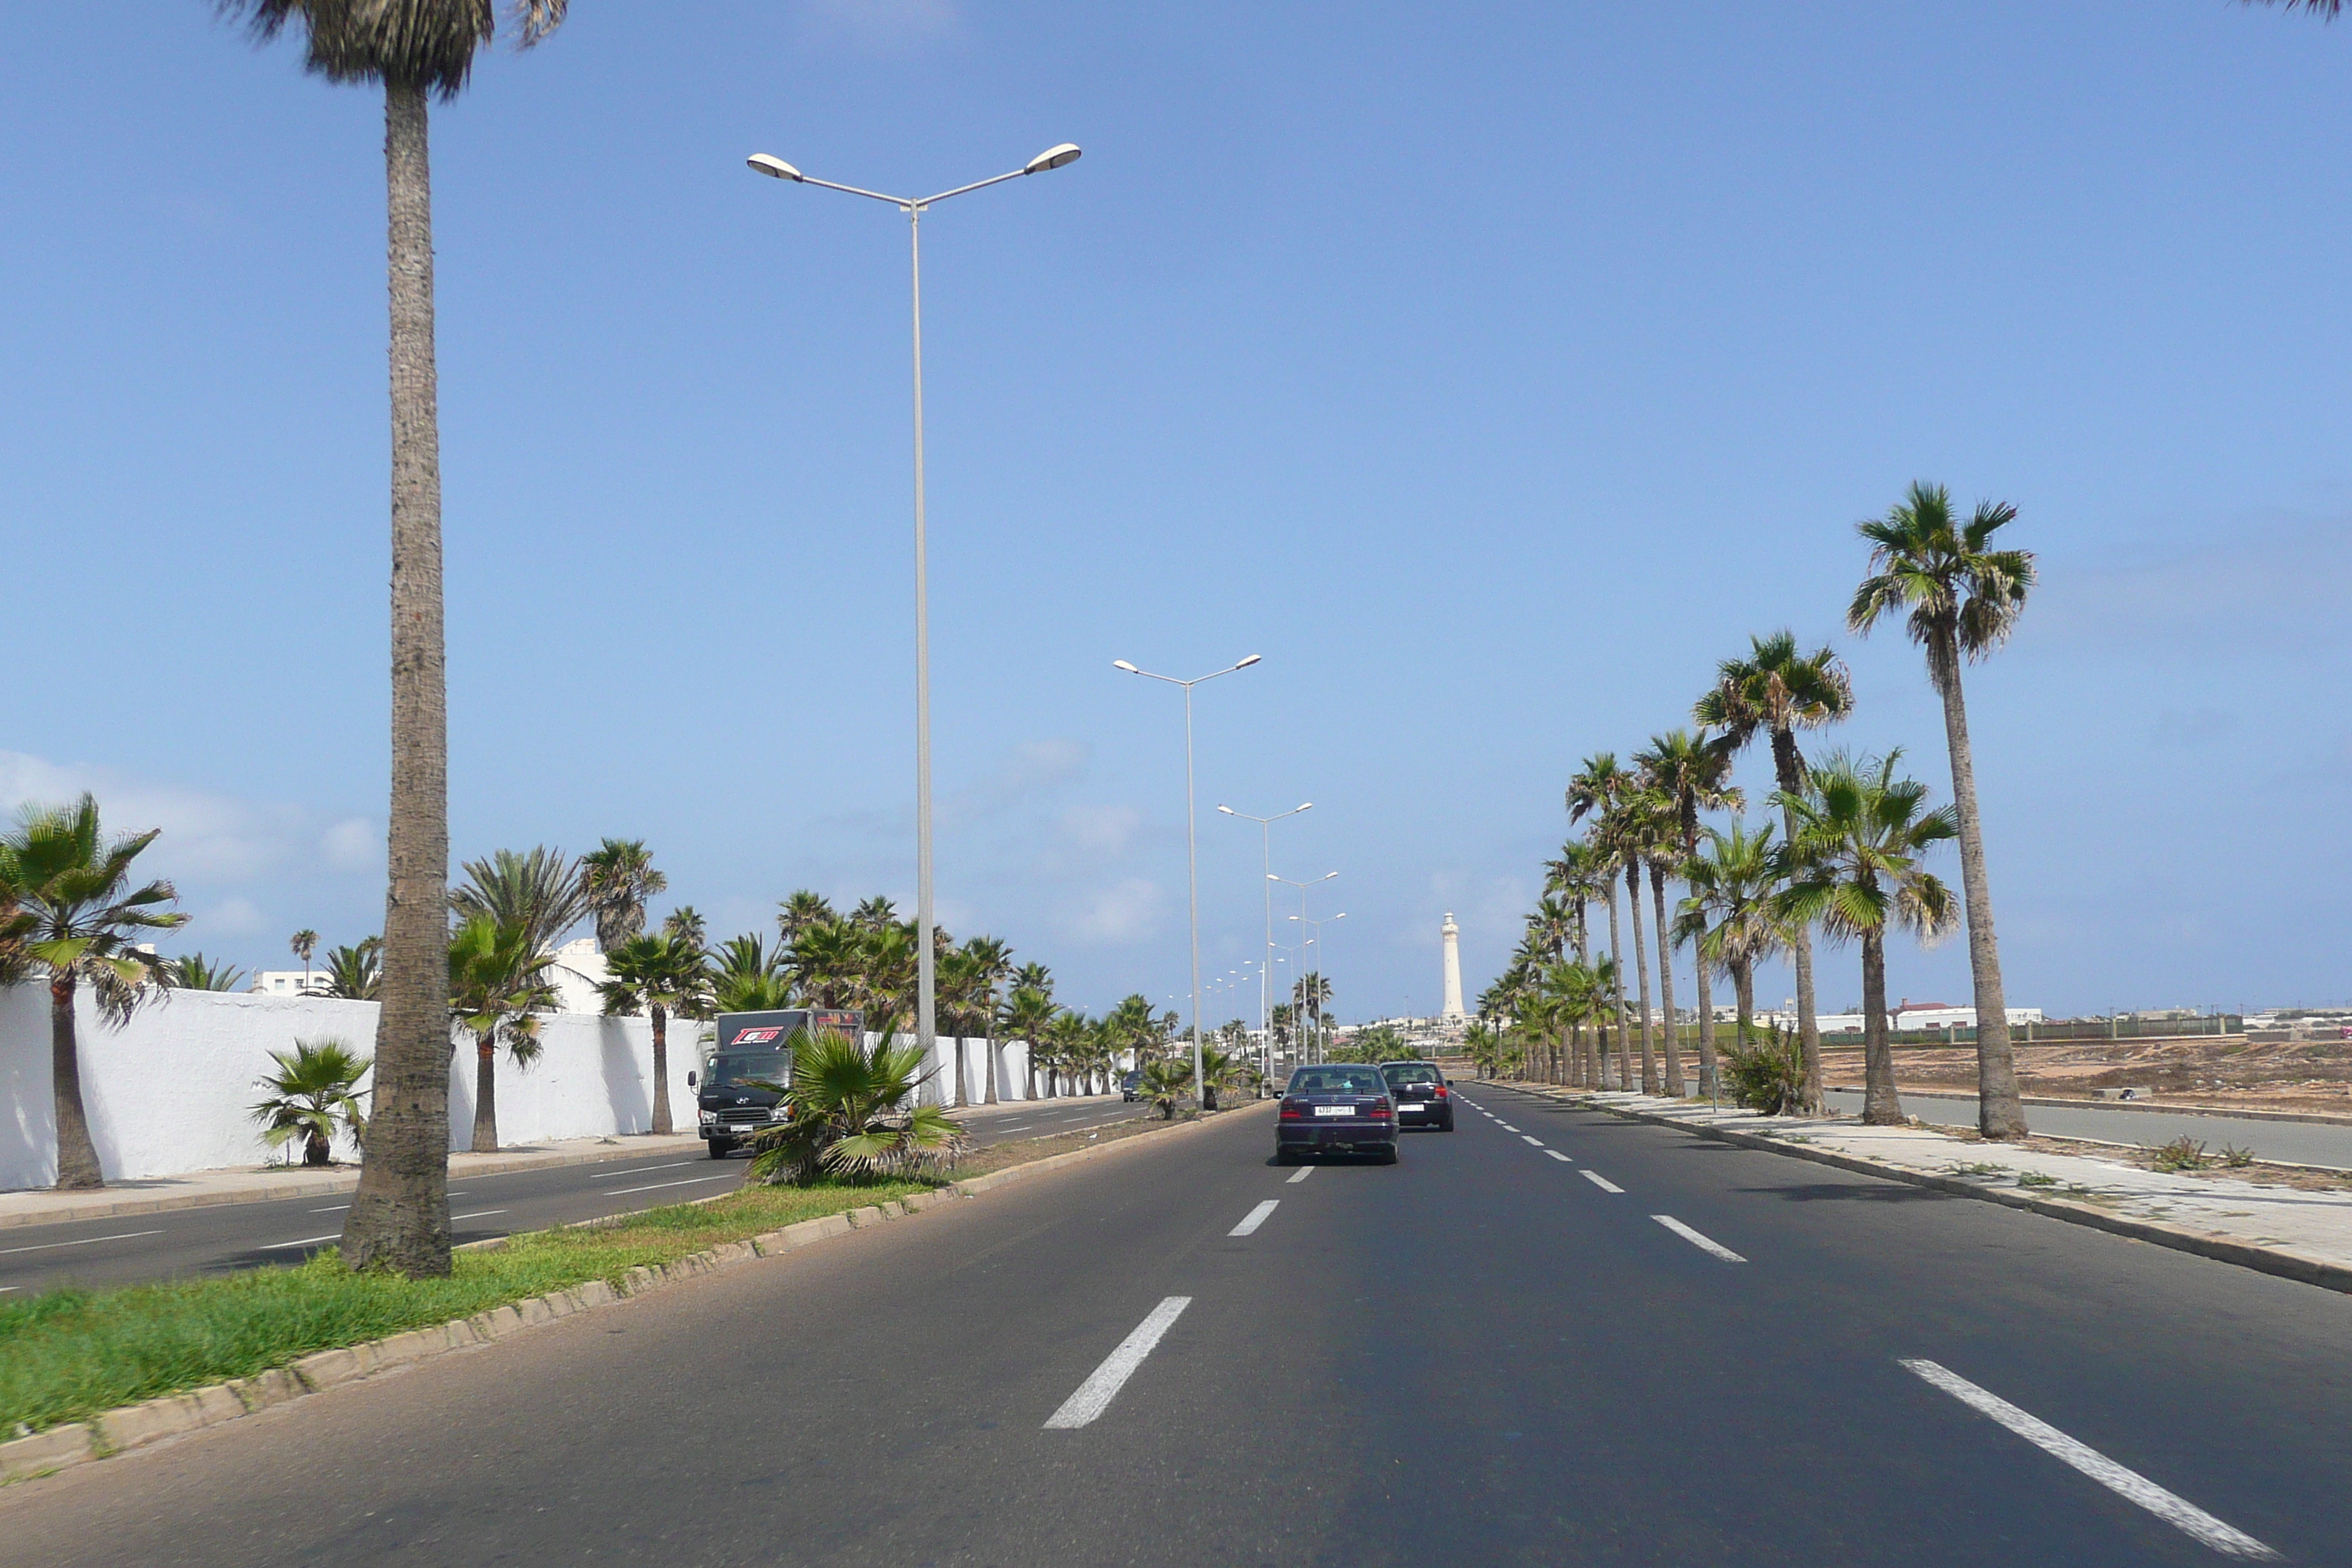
{"type": "Point", "coordinates": [331, 1208]}
{"type": "Point", "coordinates": [1021, 1127]}
{"type": "Point", "coordinates": [1558, 1156]}
{"type": "Point", "coordinates": [1095, 1395]}
{"type": "Point", "coordinates": [85, 1241]}
{"type": "Point", "coordinates": [1508, 1128]}
{"type": "Point", "coordinates": [1603, 1182]}
{"type": "Point", "coordinates": [1256, 1217]}
{"type": "Point", "coordinates": [657, 1186]}
{"type": "Point", "coordinates": [1301, 1176]}
{"type": "Point", "coordinates": [640, 1170]}
{"type": "Point", "coordinates": [1525, 1139]}
{"type": "Point", "coordinates": [5, 1289]}
{"type": "Point", "coordinates": [306, 1241]}
{"type": "Point", "coordinates": [477, 1213]}
{"type": "Point", "coordinates": [2175, 1510]}
{"type": "Point", "coordinates": [1703, 1243]}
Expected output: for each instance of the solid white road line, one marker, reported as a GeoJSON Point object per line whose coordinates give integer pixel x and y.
{"type": "Point", "coordinates": [1095, 1395]}
{"type": "Point", "coordinates": [5, 1289]}
{"type": "Point", "coordinates": [1696, 1239]}
{"type": "Point", "coordinates": [2177, 1511]}
{"type": "Point", "coordinates": [1301, 1176]}
{"type": "Point", "coordinates": [1603, 1182]}
{"type": "Point", "coordinates": [85, 1241]}
{"type": "Point", "coordinates": [306, 1241]}
{"type": "Point", "coordinates": [1525, 1139]}
{"type": "Point", "coordinates": [331, 1208]}
{"type": "Point", "coordinates": [1256, 1217]}
{"type": "Point", "coordinates": [1023, 1127]}
{"type": "Point", "coordinates": [477, 1213]}
{"type": "Point", "coordinates": [1561, 1157]}
{"type": "Point", "coordinates": [640, 1170]}
{"type": "Point", "coordinates": [657, 1186]}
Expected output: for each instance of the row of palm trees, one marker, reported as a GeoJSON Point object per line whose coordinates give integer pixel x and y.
{"type": "Point", "coordinates": [1852, 836]}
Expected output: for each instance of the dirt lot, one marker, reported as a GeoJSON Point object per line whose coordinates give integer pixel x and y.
{"type": "Point", "coordinates": [2302, 1075]}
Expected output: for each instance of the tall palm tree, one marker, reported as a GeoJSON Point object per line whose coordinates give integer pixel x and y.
{"type": "Point", "coordinates": [1551, 925]}
{"type": "Point", "coordinates": [1691, 773]}
{"type": "Point", "coordinates": [1729, 917]}
{"type": "Point", "coordinates": [195, 972]}
{"type": "Point", "coordinates": [352, 973]}
{"type": "Point", "coordinates": [874, 913]}
{"type": "Point", "coordinates": [539, 891]}
{"type": "Point", "coordinates": [1964, 597]}
{"type": "Point", "coordinates": [1635, 828]}
{"type": "Point", "coordinates": [78, 921]}
{"type": "Point", "coordinates": [498, 985]}
{"type": "Point", "coordinates": [826, 962]}
{"type": "Point", "coordinates": [992, 967]}
{"type": "Point", "coordinates": [802, 910]}
{"type": "Point", "coordinates": [302, 945]}
{"type": "Point", "coordinates": [685, 923]}
{"type": "Point", "coordinates": [1776, 691]}
{"type": "Point", "coordinates": [616, 877]}
{"type": "Point", "coordinates": [415, 49]}
{"type": "Point", "coordinates": [1592, 792]}
{"type": "Point", "coordinates": [657, 975]}
{"type": "Point", "coordinates": [1861, 835]}
{"type": "Point", "coordinates": [1024, 1015]}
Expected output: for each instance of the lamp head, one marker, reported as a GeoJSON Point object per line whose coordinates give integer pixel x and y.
{"type": "Point", "coordinates": [1054, 157]}
{"type": "Point", "coordinates": [1250, 661]}
{"type": "Point", "coordinates": [1122, 664]}
{"type": "Point", "coordinates": [767, 163]}
{"type": "Point", "coordinates": [1229, 811]}
{"type": "Point", "coordinates": [1305, 805]}
{"type": "Point", "coordinates": [1272, 878]}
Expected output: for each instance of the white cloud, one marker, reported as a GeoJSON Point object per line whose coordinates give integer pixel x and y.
{"type": "Point", "coordinates": [352, 845]}
{"type": "Point", "coordinates": [1102, 831]}
{"type": "Point", "coordinates": [230, 917]}
{"type": "Point", "coordinates": [1120, 915]}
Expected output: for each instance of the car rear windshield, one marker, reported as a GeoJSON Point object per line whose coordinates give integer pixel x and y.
{"type": "Point", "coordinates": [1338, 1081]}
{"type": "Point", "coordinates": [1412, 1072]}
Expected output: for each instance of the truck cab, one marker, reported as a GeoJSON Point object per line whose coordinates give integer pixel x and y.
{"type": "Point", "coordinates": [746, 1074]}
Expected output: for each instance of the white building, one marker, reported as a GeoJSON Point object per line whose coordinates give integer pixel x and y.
{"type": "Point", "coordinates": [286, 982]}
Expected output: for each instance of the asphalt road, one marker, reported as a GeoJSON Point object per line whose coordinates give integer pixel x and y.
{"type": "Point", "coordinates": [132, 1250]}
{"type": "Point", "coordinates": [2297, 1143]}
{"type": "Point", "coordinates": [1479, 1355]}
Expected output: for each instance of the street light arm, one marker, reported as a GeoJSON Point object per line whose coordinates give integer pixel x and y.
{"type": "Point", "coordinates": [975, 185]}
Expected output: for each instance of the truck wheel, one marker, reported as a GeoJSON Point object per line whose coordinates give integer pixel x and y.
{"type": "Point", "coordinates": [719, 1148]}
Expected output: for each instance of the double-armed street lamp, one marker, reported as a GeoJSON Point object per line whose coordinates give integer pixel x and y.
{"type": "Point", "coordinates": [1265, 998]}
{"type": "Point", "coordinates": [1302, 888]}
{"type": "Point", "coordinates": [1191, 839]}
{"type": "Point", "coordinates": [1322, 970]}
{"type": "Point", "coordinates": [1054, 157]}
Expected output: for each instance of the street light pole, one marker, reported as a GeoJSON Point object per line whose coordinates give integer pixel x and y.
{"type": "Point", "coordinates": [1054, 157]}
{"type": "Point", "coordinates": [1266, 980]}
{"type": "Point", "coordinates": [1322, 976]}
{"type": "Point", "coordinates": [1302, 888]}
{"type": "Point", "coordinates": [1191, 842]}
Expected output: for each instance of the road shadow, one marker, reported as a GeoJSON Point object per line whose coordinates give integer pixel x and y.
{"type": "Point", "coordinates": [1861, 1191]}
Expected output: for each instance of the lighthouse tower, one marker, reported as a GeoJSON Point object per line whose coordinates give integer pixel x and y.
{"type": "Point", "coordinates": [1452, 935]}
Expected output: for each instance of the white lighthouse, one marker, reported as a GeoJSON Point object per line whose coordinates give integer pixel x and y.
{"type": "Point", "coordinates": [1452, 935]}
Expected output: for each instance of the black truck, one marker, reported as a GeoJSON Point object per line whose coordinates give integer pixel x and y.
{"type": "Point", "coordinates": [749, 1050]}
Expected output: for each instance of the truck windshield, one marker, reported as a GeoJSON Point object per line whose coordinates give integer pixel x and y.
{"type": "Point", "coordinates": [740, 1066]}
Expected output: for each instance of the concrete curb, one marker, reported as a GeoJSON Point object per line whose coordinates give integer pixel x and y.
{"type": "Point", "coordinates": [135, 1426]}
{"type": "Point", "coordinates": [321, 1186]}
{"type": "Point", "coordinates": [2286, 1262]}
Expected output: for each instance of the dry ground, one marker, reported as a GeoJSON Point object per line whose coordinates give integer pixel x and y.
{"type": "Point", "coordinates": [2302, 1075]}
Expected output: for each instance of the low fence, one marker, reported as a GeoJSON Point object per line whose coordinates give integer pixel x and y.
{"type": "Point", "coordinates": [170, 1092]}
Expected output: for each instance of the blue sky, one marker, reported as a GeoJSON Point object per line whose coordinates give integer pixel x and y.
{"type": "Point", "coordinates": [1493, 371]}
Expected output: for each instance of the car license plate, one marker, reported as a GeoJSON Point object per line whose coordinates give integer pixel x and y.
{"type": "Point", "coordinates": [1335, 1110]}
{"type": "Point", "coordinates": [1413, 1105]}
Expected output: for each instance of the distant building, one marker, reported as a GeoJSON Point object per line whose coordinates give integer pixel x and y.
{"type": "Point", "coordinates": [286, 982]}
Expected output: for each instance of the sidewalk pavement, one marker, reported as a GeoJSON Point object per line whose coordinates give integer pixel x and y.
{"type": "Point", "coordinates": [2278, 1229]}
{"type": "Point", "coordinates": [253, 1184]}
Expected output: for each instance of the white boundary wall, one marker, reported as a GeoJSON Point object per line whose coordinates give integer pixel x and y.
{"type": "Point", "coordinates": [169, 1092]}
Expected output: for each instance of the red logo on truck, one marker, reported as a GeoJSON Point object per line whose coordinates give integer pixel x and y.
{"type": "Point", "coordinates": [756, 1036]}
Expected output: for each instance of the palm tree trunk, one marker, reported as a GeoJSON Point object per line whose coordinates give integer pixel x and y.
{"type": "Point", "coordinates": [1617, 962]}
{"type": "Point", "coordinates": [1667, 982]}
{"type": "Point", "coordinates": [661, 1070]}
{"type": "Point", "coordinates": [988, 1055]}
{"type": "Point", "coordinates": [962, 1097]}
{"type": "Point", "coordinates": [77, 1167]}
{"type": "Point", "coordinates": [1881, 1106]}
{"type": "Point", "coordinates": [399, 1217]}
{"type": "Point", "coordinates": [486, 1093]}
{"type": "Point", "coordinates": [1707, 1079]}
{"type": "Point", "coordinates": [1642, 972]}
{"type": "Point", "coordinates": [1789, 768]}
{"type": "Point", "coordinates": [1743, 1001]}
{"type": "Point", "coordinates": [2000, 1113]}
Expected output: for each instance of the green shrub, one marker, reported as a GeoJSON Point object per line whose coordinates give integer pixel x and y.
{"type": "Point", "coordinates": [2183, 1153]}
{"type": "Point", "coordinates": [1766, 1072]}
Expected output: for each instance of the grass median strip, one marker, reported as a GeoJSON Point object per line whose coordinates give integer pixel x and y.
{"type": "Point", "coordinates": [69, 1355]}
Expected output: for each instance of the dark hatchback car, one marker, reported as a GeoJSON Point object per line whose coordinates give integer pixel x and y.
{"type": "Point", "coordinates": [1421, 1094]}
{"type": "Point", "coordinates": [1337, 1110]}
{"type": "Point", "coordinates": [1130, 1086]}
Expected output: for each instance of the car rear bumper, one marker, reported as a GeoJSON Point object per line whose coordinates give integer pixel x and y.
{"type": "Point", "coordinates": [1334, 1137]}
{"type": "Point", "coordinates": [1434, 1115]}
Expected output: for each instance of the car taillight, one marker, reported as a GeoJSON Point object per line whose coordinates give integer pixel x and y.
{"type": "Point", "coordinates": [1439, 1091]}
{"type": "Point", "coordinates": [1293, 1111]}
{"type": "Point", "coordinates": [1381, 1111]}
